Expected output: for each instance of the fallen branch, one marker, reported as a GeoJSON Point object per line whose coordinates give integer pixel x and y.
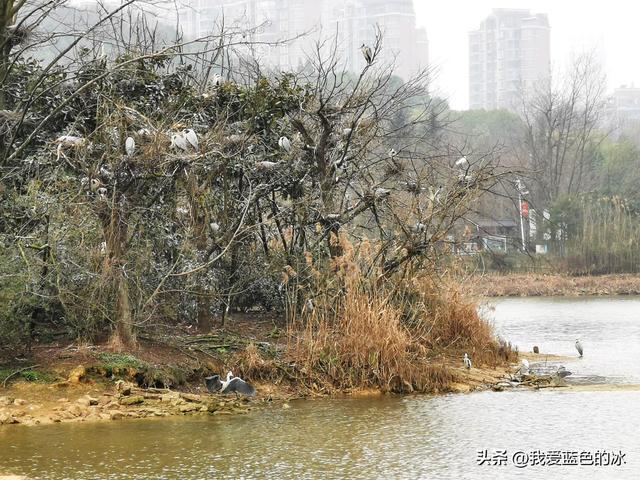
{"type": "Point", "coordinates": [4, 384]}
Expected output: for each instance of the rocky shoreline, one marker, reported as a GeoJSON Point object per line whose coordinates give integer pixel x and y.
{"type": "Point", "coordinates": [79, 400]}
{"type": "Point", "coordinates": [129, 402]}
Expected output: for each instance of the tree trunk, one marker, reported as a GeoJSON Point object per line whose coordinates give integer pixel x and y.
{"type": "Point", "coordinates": [115, 233]}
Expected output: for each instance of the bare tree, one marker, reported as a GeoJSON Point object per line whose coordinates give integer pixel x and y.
{"type": "Point", "coordinates": [561, 124]}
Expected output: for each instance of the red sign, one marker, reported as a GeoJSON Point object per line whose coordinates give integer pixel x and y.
{"type": "Point", "coordinates": [525, 209]}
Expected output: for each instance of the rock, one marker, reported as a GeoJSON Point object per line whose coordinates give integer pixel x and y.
{"type": "Point", "coordinates": [19, 401]}
{"type": "Point", "coordinates": [7, 419]}
{"type": "Point", "coordinates": [134, 400]}
{"type": "Point", "coordinates": [6, 400]}
{"type": "Point", "coordinates": [189, 407]}
{"type": "Point", "coordinates": [77, 374]}
{"type": "Point", "coordinates": [190, 397]}
{"type": "Point", "coordinates": [87, 401]}
{"type": "Point", "coordinates": [168, 397]}
{"type": "Point", "coordinates": [76, 410]}
{"type": "Point", "coordinates": [63, 400]}
{"type": "Point", "coordinates": [116, 415]}
{"type": "Point", "coordinates": [124, 388]}
{"type": "Point", "coordinates": [286, 406]}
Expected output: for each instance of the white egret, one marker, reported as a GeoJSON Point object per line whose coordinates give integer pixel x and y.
{"type": "Point", "coordinates": [130, 146]}
{"type": "Point", "coordinates": [192, 137]}
{"type": "Point", "coordinates": [266, 165]}
{"type": "Point", "coordinates": [419, 227]}
{"type": "Point", "coordinates": [106, 173]}
{"type": "Point", "coordinates": [217, 80]}
{"type": "Point", "coordinates": [70, 141]}
{"type": "Point", "coordinates": [144, 132]}
{"type": "Point", "coordinates": [524, 367]}
{"type": "Point", "coordinates": [309, 305]}
{"type": "Point", "coordinates": [94, 184]}
{"type": "Point", "coordinates": [366, 52]}
{"type": "Point", "coordinates": [346, 132]}
{"type": "Point", "coordinates": [84, 181]}
{"type": "Point", "coordinates": [434, 195]}
{"type": "Point", "coordinates": [215, 227]}
{"type": "Point", "coordinates": [579, 347]}
{"type": "Point", "coordinates": [102, 191]}
{"type": "Point", "coordinates": [381, 192]}
{"type": "Point", "coordinates": [467, 362]}
{"type": "Point", "coordinates": [178, 141]}
{"type": "Point", "coordinates": [392, 154]}
{"type": "Point", "coordinates": [462, 163]}
{"type": "Point", "coordinates": [285, 144]}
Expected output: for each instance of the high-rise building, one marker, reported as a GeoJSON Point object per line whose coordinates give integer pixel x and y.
{"type": "Point", "coordinates": [623, 110]}
{"type": "Point", "coordinates": [508, 55]}
{"type": "Point", "coordinates": [288, 30]}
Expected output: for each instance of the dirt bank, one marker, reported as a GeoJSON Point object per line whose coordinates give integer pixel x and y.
{"type": "Point", "coordinates": [77, 386]}
{"type": "Point", "coordinates": [537, 285]}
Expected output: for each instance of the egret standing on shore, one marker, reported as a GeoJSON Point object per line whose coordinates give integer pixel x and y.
{"type": "Point", "coordinates": [467, 362]}
{"type": "Point", "coordinates": [579, 347]}
{"type": "Point", "coordinates": [237, 385]}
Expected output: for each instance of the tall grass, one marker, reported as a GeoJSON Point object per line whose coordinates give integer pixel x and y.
{"type": "Point", "coordinates": [607, 240]}
{"type": "Point", "coordinates": [397, 334]}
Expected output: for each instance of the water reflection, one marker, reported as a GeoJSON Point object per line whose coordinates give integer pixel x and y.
{"type": "Point", "coordinates": [607, 327]}
{"type": "Point", "coordinates": [391, 437]}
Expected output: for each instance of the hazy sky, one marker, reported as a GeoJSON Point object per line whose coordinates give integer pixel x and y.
{"type": "Point", "coordinates": [613, 27]}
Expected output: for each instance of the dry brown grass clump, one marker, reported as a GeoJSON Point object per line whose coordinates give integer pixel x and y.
{"type": "Point", "coordinates": [532, 285]}
{"type": "Point", "coordinates": [366, 330]}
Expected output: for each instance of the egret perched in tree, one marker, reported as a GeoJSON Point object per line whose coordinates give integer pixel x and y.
{"type": "Point", "coordinates": [579, 347]}
{"type": "Point", "coordinates": [102, 191]}
{"type": "Point", "coordinates": [309, 305]}
{"type": "Point", "coordinates": [392, 154]}
{"type": "Point", "coordinates": [434, 195]}
{"type": "Point", "coordinates": [130, 146]}
{"type": "Point", "coordinates": [346, 132]}
{"type": "Point", "coordinates": [266, 165]}
{"type": "Point", "coordinates": [381, 192]}
{"type": "Point", "coordinates": [366, 52]}
{"type": "Point", "coordinates": [285, 144]}
{"type": "Point", "coordinates": [419, 227]}
{"type": "Point", "coordinates": [191, 137]}
{"type": "Point", "coordinates": [217, 80]}
{"type": "Point", "coordinates": [467, 362]}
{"type": "Point", "coordinates": [462, 163]}
{"type": "Point", "coordinates": [178, 141]}
{"type": "Point", "coordinates": [70, 141]}
{"type": "Point", "coordinates": [237, 385]}
{"type": "Point", "coordinates": [106, 173]}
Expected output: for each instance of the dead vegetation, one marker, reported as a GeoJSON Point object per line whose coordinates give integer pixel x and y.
{"type": "Point", "coordinates": [535, 285]}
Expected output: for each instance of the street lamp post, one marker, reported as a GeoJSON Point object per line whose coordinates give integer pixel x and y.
{"type": "Point", "coordinates": [522, 190]}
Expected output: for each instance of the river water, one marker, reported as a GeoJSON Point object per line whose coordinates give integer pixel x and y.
{"type": "Point", "coordinates": [476, 435]}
